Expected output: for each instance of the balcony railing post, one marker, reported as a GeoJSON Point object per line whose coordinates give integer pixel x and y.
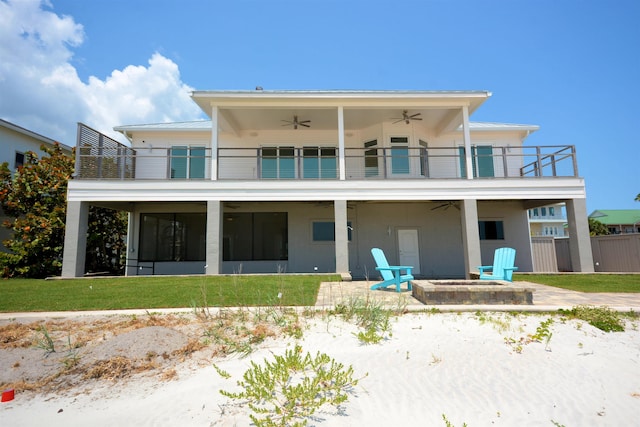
{"type": "Point", "coordinates": [100, 154]}
{"type": "Point", "coordinates": [538, 167]}
{"type": "Point", "coordinates": [504, 161]}
{"type": "Point", "coordinates": [575, 160]}
{"type": "Point", "coordinates": [259, 162]}
{"type": "Point", "coordinates": [384, 163]}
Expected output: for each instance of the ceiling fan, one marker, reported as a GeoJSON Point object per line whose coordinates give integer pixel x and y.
{"type": "Point", "coordinates": [406, 117]}
{"type": "Point", "coordinates": [295, 122]}
{"type": "Point", "coordinates": [446, 205]}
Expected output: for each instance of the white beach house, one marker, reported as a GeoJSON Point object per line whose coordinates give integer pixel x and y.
{"type": "Point", "coordinates": [310, 181]}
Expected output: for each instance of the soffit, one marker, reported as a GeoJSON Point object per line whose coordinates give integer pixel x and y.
{"type": "Point", "coordinates": [258, 110]}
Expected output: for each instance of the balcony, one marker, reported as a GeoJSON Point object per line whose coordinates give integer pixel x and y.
{"type": "Point", "coordinates": [100, 157]}
{"type": "Point", "coordinates": [322, 163]}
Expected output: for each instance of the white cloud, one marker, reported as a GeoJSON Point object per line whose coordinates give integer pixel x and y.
{"type": "Point", "coordinates": [41, 90]}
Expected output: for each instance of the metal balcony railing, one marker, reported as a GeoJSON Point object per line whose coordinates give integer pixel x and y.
{"type": "Point", "coordinates": [99, 157]}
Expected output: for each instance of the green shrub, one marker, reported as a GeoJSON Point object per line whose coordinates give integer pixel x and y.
{"type": "Point", "coordinates": [289, 390]}
{"type": "Point", "coordinates": [600, 317]}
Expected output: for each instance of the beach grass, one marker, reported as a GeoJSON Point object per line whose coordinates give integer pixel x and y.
{"type": "Point", "coordinates": [22, 295]}
{"type": "Point", "coordinates": [628, 283]}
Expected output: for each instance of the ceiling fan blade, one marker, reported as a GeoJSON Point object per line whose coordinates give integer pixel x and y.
{"type": "Point", "coordinates": [397, 121]}
{"type": "Point", "coordinates": [415, 116]}
{"type": "Point", "coordinates": [304, 124]}
{"type": "Point", "coordinates": [305, 121]}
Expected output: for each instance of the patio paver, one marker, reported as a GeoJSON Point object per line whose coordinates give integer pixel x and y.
{"type": "Point", "coordinates": [545, 298]}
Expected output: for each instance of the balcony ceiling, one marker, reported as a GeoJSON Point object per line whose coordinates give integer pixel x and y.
{"type": "Point", "coordinates": [265, 110]}
{"type": "Point", "coordinates": [234, 119]}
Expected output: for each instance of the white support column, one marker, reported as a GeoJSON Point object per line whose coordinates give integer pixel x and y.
{"type": "Point", "coordinates": [579, 239]}
{"type": "Point", "coordinates": [214, 237]}
{"type": "Point", "coordinates": [75, 239]}
{"type": "Point", "coordinates": [468, 159]}
{"type": "Point", "coordinates": [214, 143]}
{"type": "Point", "coordinates": [341, 158]}
{"type": "Point", "coordinates": [470, 236]}
{"type": "Point", "coordinates": [342, 236]}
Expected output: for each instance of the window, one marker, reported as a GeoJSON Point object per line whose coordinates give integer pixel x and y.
{"type": "Point", "coordinates": [319, 162]}
{"type": "Point", "coordinates": [535, 212]}
{"type": "Point", "coordinates": [424, 159]}
{"type": "Point", "coordinates": [371, 158]}
{"type": "Point", "coordinates": [259, 236]}
{"type": "Point", "coordinates": [552, 211]}
{"type": "Point", "coordinates": [172, 237]}
{"type": "Point", "coordinates": [399, 155]}
{"type": "Point", "coordinates": [325, 231]}
{"type": "Point", "coordinates": [187, 162]}
{"type": "Point", "coordinates": [278, 162]}
{"type": "Point", "coordinates": [543, 211]}
{"type": "Point", "coordinates": [19, 160]}
{"type": "Point", "coordinates": [482, 161]}
{"type": "Point", "coordinates": [491, 230]}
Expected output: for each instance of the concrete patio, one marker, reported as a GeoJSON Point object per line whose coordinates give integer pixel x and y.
{"type": "Point", "coordinates": [545, 298]}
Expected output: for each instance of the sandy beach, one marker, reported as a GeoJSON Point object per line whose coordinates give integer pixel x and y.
{"type": "Point", "coordinates": [483, 369]}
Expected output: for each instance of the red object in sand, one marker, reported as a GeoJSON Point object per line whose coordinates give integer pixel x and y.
{"type": "Point", "coordinates": [7, 395]}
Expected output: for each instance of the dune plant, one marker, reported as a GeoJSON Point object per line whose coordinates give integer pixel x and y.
{"type": "Point", "coordinates": [44, 340]}
{"type": "Point", "coordinates": [370, 315]}
{"type": "Point", "coordinates": [448, 423]}
{"type": "Point", "coordinates": [602, 318]}
{"type": "Point", "coordinates": [289, 390]}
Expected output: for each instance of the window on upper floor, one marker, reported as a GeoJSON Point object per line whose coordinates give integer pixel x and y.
{"type": "Point", "coordinates": [319, 162]}
{"type": "Point", "coordinates": [424, 159]}
{"type": "Point", "coordinates": [277, 163]}
{"type": "Point", "coordinates": [552, 211]}
{"type": "Point", "coordinates": [491, 230]}
{"type": "Point", "coordinates": [543, 211]}
{"type": "Point", "coordinates": [535, 212]}
{"type": "Point", "coordinates": [399, 155]}
{"type": "Point", "coordinates": [371, 158]}
{"type": "Point", "coordinates": [19, 160]}
{"type": "Point", "coordinates": [482, 161]}
{"type": "Point", "coordinates": [187, 162]}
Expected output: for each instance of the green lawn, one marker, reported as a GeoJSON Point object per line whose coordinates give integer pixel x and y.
{"type": "Point", "coordinates": [586, 282]}
{"type": "Point", "coordinates": [159, 292]}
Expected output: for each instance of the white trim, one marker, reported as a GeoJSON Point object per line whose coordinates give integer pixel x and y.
{"type": "Point", "coordinates": [326, 190]}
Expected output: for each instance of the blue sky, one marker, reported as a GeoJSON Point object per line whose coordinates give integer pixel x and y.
{"type": "Point", "coordinates": [572, 66]}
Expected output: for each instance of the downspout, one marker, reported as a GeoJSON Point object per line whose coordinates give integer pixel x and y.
{"type": "Point", "coordinates": [468, 160]}
{"type": "Point", "coordinates": [341, 158]}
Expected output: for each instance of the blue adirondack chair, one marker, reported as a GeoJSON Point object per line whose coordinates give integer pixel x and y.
{"type": "Point", "coordinates": [502, 268]}
{"type": "Point", "coordinates": [391, 274]}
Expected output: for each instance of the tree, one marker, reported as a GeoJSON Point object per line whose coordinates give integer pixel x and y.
{"type": "Point", "coordinates": [35, 198]}
{"type": "Point", "coordinates": [638, 198]}
{"type": "Point", "coordinates": [106, 241]}
{"type": "Point", "coordinates": [596, 228]}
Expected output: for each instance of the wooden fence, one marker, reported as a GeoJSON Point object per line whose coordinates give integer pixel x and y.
{"type": "Point", "coordinates": [619, 253]}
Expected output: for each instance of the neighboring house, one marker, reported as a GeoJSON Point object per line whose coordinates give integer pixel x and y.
{"type": "Point", "coordinates": [618, 221]}
{"type": "Point", "coordinates": [15, 143]}
{"type": "Point", "coordinates": [310, 181]}
{"type": "Point", "coordinates": [548, 221]}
